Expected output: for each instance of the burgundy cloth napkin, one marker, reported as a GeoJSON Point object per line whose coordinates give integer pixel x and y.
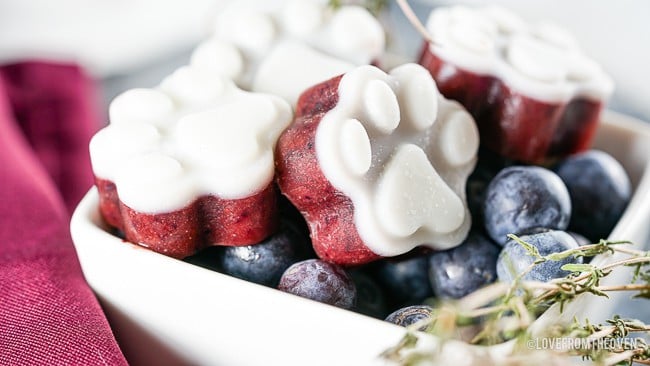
{"type": "Point", "coordinates": [48, 314]}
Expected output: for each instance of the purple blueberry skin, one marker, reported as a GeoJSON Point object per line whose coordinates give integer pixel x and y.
{"type": "Point", "coordinates": [410, 315]}
{"type": "Point", "coordinates": [459, 271]}
{"type": "Point", "coordinates": [514, 258]}
{"type": "Point", "coordinates": [265, 262]}
{"type": "Point", "coordinates": [600, 191]}
{"type": "Point", "coordinates": [405, 280]}
{"type": "Point", "coordinates": [320, 281]}
{"type": "Point", "coordinates": [520, 198]}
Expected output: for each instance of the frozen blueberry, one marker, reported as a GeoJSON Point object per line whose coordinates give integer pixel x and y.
{"type": "Point", "coordinates": [371, 299]}
{"type": "Point", "coordinates": [405, 279]}
{"type": "Point", "coordinates": [456, 272]}
{"type": "Point", "coordinates": [520, 198]}
{"type": "Point", "coordinates": [475, 188]}
{"type": "Point", "coordinates": [410, 315]}
{"type": "Point", "coordinates": [599, 189]}
{"type": "Point", "coordinates": [265, 262]}
{"type": "Point", "coordinates": [487, 167]}
{"type": "Point", "coordinates": [514, 258]}
{"type": "Point", "coordinates": [321, 281]}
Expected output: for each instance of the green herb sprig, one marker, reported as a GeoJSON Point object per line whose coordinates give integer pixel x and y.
{"type": "Point", "coordinates": [504, 312]}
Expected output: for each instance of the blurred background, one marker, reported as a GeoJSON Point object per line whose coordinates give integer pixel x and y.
{"type": "Point", "coordinates": [127, 43]}
{"type": "Point", "coordinates": [134, 43]}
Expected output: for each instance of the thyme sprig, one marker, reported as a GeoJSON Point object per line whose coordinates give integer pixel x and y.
{"type": "Point", "coordinates": [619, 350]}
{"type": "Point", "coordinates": [504, 311]}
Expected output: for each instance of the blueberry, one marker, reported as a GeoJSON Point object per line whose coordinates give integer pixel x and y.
{"type": "Point", "coordinates": [265, 262]}
{"type": "Point", "coordinates": [371, 299]}
{"type": "Point", "coordinates": [456, 272]}
{"type": "Point", "coordinates": [320, 281]}
{"type": "Point", "coordinates": [599, 189]}
{"type": "Point", "coordinates": [405, 279]}
{"type": "Point", "coordinates": [475, 188]}
{"type": "Point", "coordinates": [487, 167]}
{"type": "Point", "coordinates": [520, 198]}
{"type": "Point", "coordinates": [514, 258]}
{"type": "Point", "coordinates": [410, 315]}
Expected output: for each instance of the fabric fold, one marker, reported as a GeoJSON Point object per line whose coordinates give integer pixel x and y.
{"type": "Point", "coordinates": [48, 314]}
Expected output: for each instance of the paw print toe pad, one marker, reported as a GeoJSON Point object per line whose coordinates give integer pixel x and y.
{"type": "Point", "coordinates": [401, 153]}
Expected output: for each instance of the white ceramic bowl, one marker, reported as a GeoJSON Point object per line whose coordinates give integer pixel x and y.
{"type": "Point", "coordinates": [165, 311]}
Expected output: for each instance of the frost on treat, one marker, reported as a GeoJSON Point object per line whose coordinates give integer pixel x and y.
{"type": "Point", "coordinates": [533, 93]}
{"type": "Point", "coordinates": [284, 51]}
{"type": "Point", "coordinates": [377, 163]}
{"type": "Point", "coordinates": [189, 164]}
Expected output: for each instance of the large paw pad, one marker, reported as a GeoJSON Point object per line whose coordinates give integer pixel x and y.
{"type": "Point", "coordinates": [411, 195]}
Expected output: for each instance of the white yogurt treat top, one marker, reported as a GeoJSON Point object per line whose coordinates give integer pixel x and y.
{"type": "Point", "coordinates": [540, 60]}
{"type": "Point", "coordinates": [196, 134]}
{"type": "Point", "coordinates": [289, 59]}
{"type": "Point", "coordinates": [402, 153]}
{"type": "Point", "coordinates": [286, 50]}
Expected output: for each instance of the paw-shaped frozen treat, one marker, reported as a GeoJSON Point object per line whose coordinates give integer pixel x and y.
{"type": "Point", "coordinates": [285, 50]}
{"type": "Point", "coordinates": [377, 163]}
{"type": "Point", "coordinates": [190, 164]}
{"type": "Point", "coordinates": [535, 96]}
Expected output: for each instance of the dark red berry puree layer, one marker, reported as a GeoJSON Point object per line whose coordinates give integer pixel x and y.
{"type": "Point", "coordinates": [512, 124]}
{"type": "Point", "coordinates": [208, 221]}
{"type": "Point", "coordinates": [329, 212]}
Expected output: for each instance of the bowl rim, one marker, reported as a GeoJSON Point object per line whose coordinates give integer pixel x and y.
{"type": "Point", "coordinates": [86, 223]}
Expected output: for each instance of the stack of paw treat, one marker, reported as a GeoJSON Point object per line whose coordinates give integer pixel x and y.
{"type": "Point", "coordinates": [284, 154]}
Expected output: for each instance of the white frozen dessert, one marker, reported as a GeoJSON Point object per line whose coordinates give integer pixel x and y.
{"type": "Point", "coordinates": [402, 153]}
{"type": "Point", "coordinates": [284, 51]}
{"type": "Point", "coordinates": [190, 137]}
